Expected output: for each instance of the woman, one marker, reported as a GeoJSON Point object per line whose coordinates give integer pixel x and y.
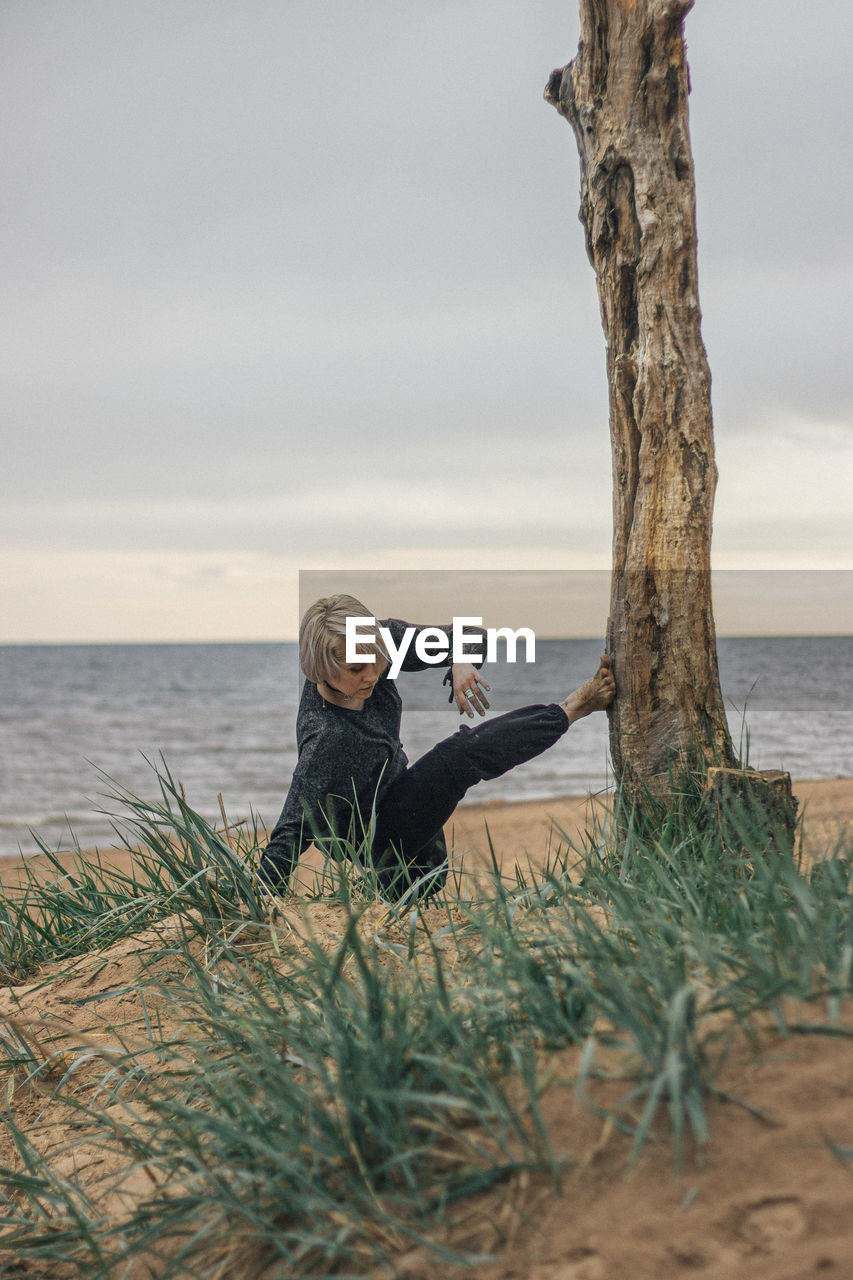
{"type": "Point", "coordinates": [352, 774]}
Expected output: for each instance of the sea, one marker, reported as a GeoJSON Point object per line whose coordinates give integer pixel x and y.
{"type": "Point", "coordinates": [81, 725]}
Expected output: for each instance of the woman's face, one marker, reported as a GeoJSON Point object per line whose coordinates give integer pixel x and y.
{"type": "Point", "coordinates": [357, 679]}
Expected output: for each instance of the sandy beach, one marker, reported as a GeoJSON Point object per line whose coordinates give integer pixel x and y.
{"type": "Point", "coordinates": [527, 833]}
{"type": "Point", "coordinates": [770, 1198]}
{"type": "Point", "coordinates": [531, 829]}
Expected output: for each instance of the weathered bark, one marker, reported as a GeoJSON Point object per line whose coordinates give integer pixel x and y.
{"type": "Point", "coordinates": [756, 811]}
{"type": "Point", "coordinates": [625, 96]}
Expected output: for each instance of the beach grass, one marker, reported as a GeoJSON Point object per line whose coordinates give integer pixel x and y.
{"type": "Point", "coordinates": [289, 1100]}
{"type": "Point", "coordinates": [180, 862]}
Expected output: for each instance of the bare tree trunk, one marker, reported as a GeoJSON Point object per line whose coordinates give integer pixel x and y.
{"type": "Point", "coordinates": [625, 96]}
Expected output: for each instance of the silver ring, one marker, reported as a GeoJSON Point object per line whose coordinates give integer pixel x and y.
{"type": "Point", "coordinates": [470, 693]}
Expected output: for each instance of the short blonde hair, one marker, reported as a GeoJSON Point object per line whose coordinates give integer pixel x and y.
{"type": "Point", "coordinates": [322, 638]}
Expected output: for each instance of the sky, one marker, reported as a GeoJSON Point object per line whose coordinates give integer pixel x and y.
{"type": "Point", "coordinates": [299, 286]}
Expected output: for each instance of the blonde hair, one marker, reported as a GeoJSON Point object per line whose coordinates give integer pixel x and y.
{"type": "Point", "coordinates": [322, 638]}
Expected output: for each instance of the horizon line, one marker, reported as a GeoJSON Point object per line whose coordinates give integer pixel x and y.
{"type": "Point", "coordinates": [67, 644]}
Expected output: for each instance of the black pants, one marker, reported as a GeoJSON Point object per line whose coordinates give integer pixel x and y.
{"type": "Point", "coordinates": [408, 840]}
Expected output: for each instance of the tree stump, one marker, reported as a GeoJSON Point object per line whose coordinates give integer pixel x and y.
{"type": "Point", "coordinates": [755, 810]}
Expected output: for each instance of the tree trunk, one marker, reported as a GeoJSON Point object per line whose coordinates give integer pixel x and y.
{"type": "Point", "coordinates": [625, 96]}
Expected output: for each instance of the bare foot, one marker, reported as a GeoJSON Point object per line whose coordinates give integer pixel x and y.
{"type": "Point", "coordinates": [596, 695]}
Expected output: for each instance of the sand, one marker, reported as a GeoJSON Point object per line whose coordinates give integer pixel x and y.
{"type": "Point", "coordinates": [532, 828]}
{"type": "Point", "coordinates": [771, 1200]}
{"type": "Point", "coordinates": [527, 833]}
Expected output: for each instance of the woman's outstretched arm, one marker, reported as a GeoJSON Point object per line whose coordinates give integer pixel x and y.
{"type": "Point", "coordinates": [467, 686]}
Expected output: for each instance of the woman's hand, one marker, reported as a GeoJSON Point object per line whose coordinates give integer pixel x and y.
{"type": "Point", "coordinates": [468, 687]}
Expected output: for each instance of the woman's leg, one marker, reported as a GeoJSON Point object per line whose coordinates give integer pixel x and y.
{"type": "Point", "coordinates": [395, 873]}
{"type": "Point", "coordinates": [411, 815]}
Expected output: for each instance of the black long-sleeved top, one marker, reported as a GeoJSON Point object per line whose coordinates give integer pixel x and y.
{"type": "Point", "coordinates": [347, 761]}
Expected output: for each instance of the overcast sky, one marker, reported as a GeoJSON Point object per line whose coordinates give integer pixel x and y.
{"type": "Point", "coordinates": [300, 284]}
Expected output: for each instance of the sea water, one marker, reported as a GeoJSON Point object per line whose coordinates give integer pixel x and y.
{"type": "Point", "coordinates": [80, 722]}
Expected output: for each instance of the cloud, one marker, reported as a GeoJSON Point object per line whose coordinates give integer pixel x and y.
{"type": "Point", "coordinates": [104, 595]}
{"type": "Point", "coordinates": [306, 283]}
{"type": "Point", "coordinates": [784, 495]}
